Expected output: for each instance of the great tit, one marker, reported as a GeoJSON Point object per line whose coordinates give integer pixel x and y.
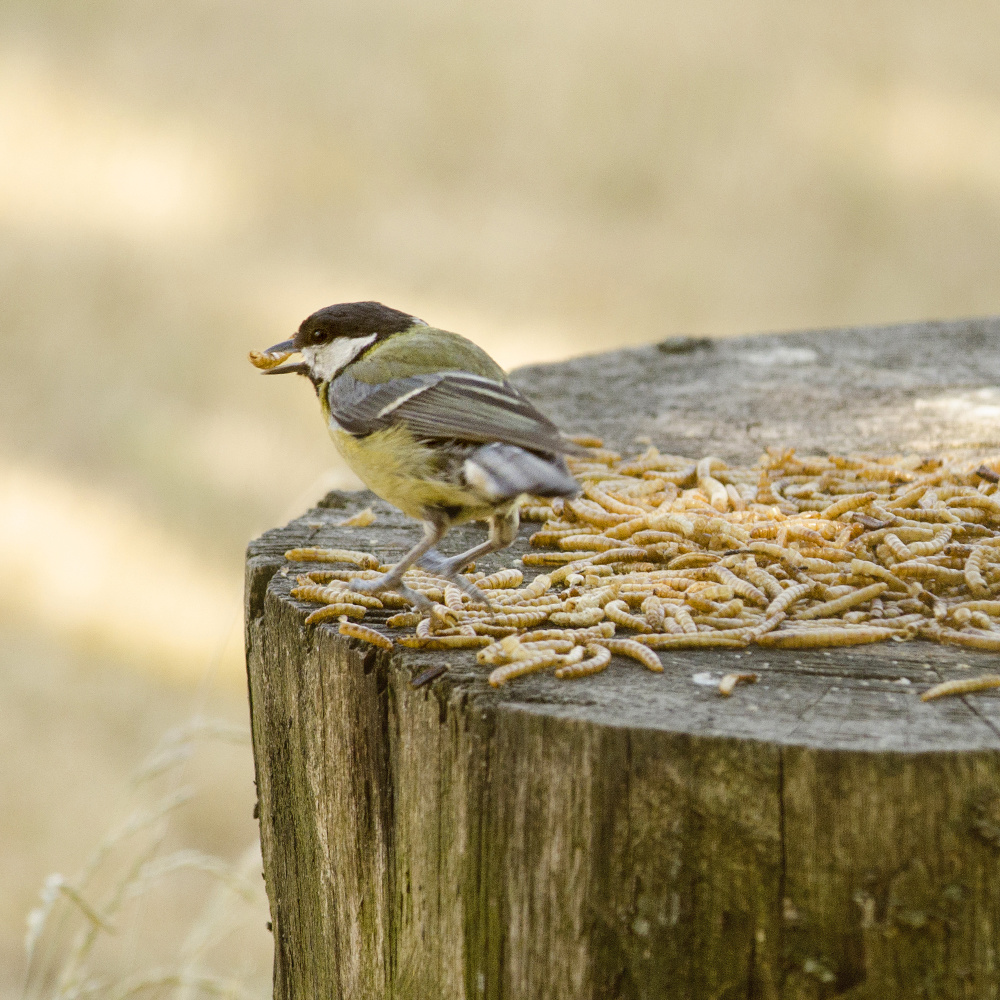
{"type": "Point", "coordinates": [429, 422]}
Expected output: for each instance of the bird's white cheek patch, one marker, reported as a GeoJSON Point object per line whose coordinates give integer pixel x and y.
{"type": "Point", "coordinates": [328, 360]}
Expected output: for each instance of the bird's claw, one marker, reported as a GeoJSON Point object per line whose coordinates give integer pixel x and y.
{"type": "Point", "coordinates": [448, 569]}
{"type": "Point", "coordinates": [382, 583]}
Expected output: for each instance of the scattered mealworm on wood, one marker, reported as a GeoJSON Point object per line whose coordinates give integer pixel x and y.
{"type": "Point", "coordinates": [729, 682]}
{"type": "Point", "coordinates": [335, 611]}
{"type": "Point", "coordinates": [445, 642]}
{"type": "Point", "coordinates": [966, 685]}
{"type": "Point", "coordinates": [637, 651]}
{"type": "Point", "coordinates": [408, 619]}
{"type": "Point", "coordinates": [366, 634]}
{"type": "Point", "coordinates": [796, 552]}
{"type": "Point", "coordinates": [363, 559]}
{"type": "Point", "coordinates": [598, 660]}
{"type": "Point", "coordinates": [848, 503]}
{"type": "Point", "coordinates": [531, 664]}
{"type": "Point", "coordinates": [362, 519]}
{"type": "Point", "coordinates": [504, 579]}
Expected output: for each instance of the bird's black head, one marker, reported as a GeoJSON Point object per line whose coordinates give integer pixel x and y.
{"type": "Point", "coordinates": [351, 319]}
{"type": "Point", "coordinates": [331, 338]}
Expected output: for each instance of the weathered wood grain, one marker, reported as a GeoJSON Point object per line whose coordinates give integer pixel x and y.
{"type": "Point", "coordinates": [820, 834]}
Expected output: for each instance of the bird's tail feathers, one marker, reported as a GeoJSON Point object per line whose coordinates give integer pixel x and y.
{"type": "Point", "coordinates": [506, 471]}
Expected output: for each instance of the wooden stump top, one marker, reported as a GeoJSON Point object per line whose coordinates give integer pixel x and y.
{"type": "Point", "coordinates": [925, 388]}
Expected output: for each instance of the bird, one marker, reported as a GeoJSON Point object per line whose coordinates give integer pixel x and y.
{"type": "Point", "coordinates": [429, 422]}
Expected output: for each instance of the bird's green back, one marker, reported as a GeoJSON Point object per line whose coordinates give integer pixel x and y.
{"type": "Point", "coordinates": [422, 350]}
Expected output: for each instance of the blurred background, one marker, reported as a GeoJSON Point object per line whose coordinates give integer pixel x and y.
{"type": "Point", "coordinates": [182, 182]}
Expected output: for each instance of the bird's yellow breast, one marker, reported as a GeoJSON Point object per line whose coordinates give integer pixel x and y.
{"type": "Point", "coordinates": [399, 468]}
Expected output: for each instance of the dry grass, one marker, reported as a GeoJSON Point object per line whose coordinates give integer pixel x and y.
{"type": "Point", "coordinates": [86, 938]}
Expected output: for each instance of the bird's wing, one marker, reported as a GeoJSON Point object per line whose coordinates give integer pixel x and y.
{"type": "Point", "coordinates": [445, 405]}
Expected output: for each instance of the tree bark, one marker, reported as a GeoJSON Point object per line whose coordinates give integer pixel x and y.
{"type": "Point", "coordinates": [821, 834]}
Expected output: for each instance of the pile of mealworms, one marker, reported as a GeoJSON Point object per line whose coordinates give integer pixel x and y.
{"type": "Point", "coordinates": [663, 552]}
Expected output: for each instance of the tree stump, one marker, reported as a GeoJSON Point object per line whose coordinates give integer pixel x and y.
{"type": "Point", "coordinates": [821, 834]}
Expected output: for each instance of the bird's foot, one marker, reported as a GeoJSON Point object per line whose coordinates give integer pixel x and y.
{"type": "Point", "coordinates": [448, 569]}
{"type": "Point", "coordinates": [388, 582]}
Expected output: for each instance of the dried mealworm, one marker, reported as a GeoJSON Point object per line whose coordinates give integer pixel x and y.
{"type": "Point", "coordinates": [932, 547]}
{"type": "Point", "coordinates": [521, 617]}
{"type": "Point", "coordinates": [445, 642]}
{"type": "Point", "coordinates": [919, 570]}
{"type": "Point", "coordinates": [596, 598]}
{"type": "Point", "coordinates": [605, 630]}
{"type": "Point", "coordinates": [830, 608]}
{"type": "Point", "coordinates": [972, 640]}
{"type": "Point", "coordinates": [496, 631]}
{"type": "Point", "coordinates": [637, 651]}
{"type": "Point", "coordinates": [504, 579]}
{"type": "Point", "coordinates": [987, 607]}
{"type": "Point", "coordinates": [729, 682]}
{"type": "Point", "coordinates": [617, 611]}
{"type": "Point", "coordinates": [778, 552]}
{"type": "Point", "coordinates": [550, 558]}
{"type": "Point", "coordinates": [849, 503]}
{"type": "Point", "coordinates": [979, 620]}
{"type": "Point", "coordinates": [716, 492]}
{"type": "Point", "coordinates": [335, 595]}
{"type": "Point", "coordinates": [363, 559]}
{"type": "Point", "coordinates": [588, 543]}
{"type": "Point", "coordinates": [529, 665]}
{"type": "Point", "coordinates": [824, 636]}
{"type": "Point", "coordinates": [967, 685]}
{"type": "Point", "coordinates": [360, 520]}
{"type": "Point", "coordinates": [652, 608]}
{"type": "Point", "coordinates": [693, 641]}
{"type": "Point", "coordinates": [534, 512]}
{"type": "Point", "coordinates": [335, 611]}
{"type": "Point", "coordinates": [365, 634]}
{"type": "Point", "coordinates": [682, 616]}
{"type": "Point", "coordinates": [862, 567]}
{"type": "Point", "coordinates": [973, 570]}
{"type": "Point", "coordinates": [897, 548]}
{"type": "Point", "coordinates": [538, 586]}
{"type": "Point", "coordinates": [628, 528]}
{"type": "Point", "coordinates": [593, 513]}
{"type": "Point", "coordinates": [613, 506]}
{"type": "Point", "coordinates": [553, 645]}
{"type": "Point", "coordinates": [453, 598]}
{"type": "Point", "coordinates": [265, 361]}
{"type": "Point", "coordinates": [599, 659]}
{"type": "Point", "coordinates": [768, 625]}
{"type": "Point", "coordinates": [443, 616]}
{"type": "Point", "coordinates": [408, 619]}
{"type": "Point", "coordinates": [788, 597]}
{"type": "Point", "coordinates": [978, 500]}
{"type": "Point", "coordinates": [739, 586]}
{"type": "Point", "coordinates": [577, 619]}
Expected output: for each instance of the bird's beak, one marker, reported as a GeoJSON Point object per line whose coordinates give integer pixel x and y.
{"type": "Point", "coordinates": [286, 347]}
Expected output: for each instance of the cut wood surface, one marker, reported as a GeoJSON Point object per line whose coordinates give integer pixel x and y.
{"type": "Point", "coordinates": [822, 833]}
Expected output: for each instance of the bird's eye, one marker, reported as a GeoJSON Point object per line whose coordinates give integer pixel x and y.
{"type": "Point", "coordinates": [319, 337]}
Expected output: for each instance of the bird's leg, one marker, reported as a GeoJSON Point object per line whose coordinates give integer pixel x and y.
{"type": "Point", "coordinates": [503, 531]}
{"type": "Point", "coordinates": [434, 531]}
